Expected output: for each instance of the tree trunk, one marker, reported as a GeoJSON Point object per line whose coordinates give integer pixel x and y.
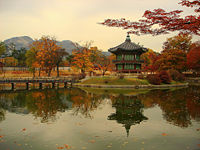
{"type": "Point", "coordinates": [82, 71]}
{"type": "Point", "coordinates": [58, 70]}
{"type": "Point", "coordinates": [49, 72]}
{"type": "Point", "coordinates": [34, 73]}
{"type": "Point", "coordinates": [39, 72]}
{"type": "Point", "coordinates": [103, 73]}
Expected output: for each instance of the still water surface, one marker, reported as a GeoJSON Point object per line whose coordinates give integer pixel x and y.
{"type": "Point", "coordinates": [100, 119]}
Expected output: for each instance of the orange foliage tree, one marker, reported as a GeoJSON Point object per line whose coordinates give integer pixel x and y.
{"type": "Point", "coordinates": [105, 63]}
{"type": "Point", "coordinates": [81, 59]}
{"type": "Point", "coordinates": [182, 41]}
{"type": "Point", "coordinates": [47, 53]}
{"type": "Point", "coordinates": [150, 59]}
{"type": "Point", "coordinates": [101, 61]}
{"type": "Point", "coordinates": [10, 61]}
{"type": "Point", "coordinates": [172, 59]}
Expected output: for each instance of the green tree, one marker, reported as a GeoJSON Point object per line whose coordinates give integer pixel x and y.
{"type": "Point", "coordinates": [20, 56]}
{"type": "Point", "coordinates": [31, 60]}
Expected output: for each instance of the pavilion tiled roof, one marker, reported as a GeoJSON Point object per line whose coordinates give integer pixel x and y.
{"type": "Point", "coordinates": [127, 46]}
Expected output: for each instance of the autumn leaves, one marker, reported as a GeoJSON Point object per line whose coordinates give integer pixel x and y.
{"type": "Point", "coordinates": [90, 59]}
{"type": "Point", "coordinates": [160, 21]}
{"type": "Point", "coordinates": [45, 54]}
{"type": "Point", "coordinates": [179, 53]}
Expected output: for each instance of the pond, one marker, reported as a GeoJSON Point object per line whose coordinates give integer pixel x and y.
{"type": "Point", "coordinates": [100, 119]}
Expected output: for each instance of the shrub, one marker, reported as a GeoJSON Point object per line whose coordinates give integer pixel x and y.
{"type": "Point", "coordinates": [176, 76]}
{"type": "Point", "coordinates": [82, 76]}
{"type": "Point", "coordinates": [141, 76]}
{"type": "Point", "coordinates": [180, 77]}
{"type": "Point", "coordinates": [78, 77]}
{"type": "Point", "coordinates": [153, 79]}
{"type": "Point", "coordinates": [164, 77]}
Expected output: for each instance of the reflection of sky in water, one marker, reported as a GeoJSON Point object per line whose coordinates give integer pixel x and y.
{"type": "Point", "coordinates": [95, 132]}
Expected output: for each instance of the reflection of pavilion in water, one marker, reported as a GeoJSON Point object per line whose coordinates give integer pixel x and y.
{"type": "Point", "coordinates": [128, 111]}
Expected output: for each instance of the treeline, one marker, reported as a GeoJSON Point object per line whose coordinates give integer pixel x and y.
{"type": "Point", "coordinates": [45, 54]}
{"type": "Point", "coordinates": [179, 53]}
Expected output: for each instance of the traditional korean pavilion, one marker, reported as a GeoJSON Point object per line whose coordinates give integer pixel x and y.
{"type": "Point", "coordinates": [128, 56]}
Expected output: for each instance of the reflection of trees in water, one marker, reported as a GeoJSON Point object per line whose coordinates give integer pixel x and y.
{"type": "Point", "coordinates": [2, 114]}
{"type": "Point", "coordinates": [129, 111]}
{"type": "Point", "coordinates": [45, 104]}
{"type": "Point", "coordinates": [178, 106]}
{"type": "Point", "coordinates": [12, 102]}
{"type": "Point", "coordinates": [85, 103]}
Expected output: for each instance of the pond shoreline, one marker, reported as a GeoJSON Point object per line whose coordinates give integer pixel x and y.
{"type": "Point", "coordinates": [132, 86]}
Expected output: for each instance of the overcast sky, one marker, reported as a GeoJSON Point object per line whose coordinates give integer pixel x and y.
{"type": "Point", "coordinates": [77, 20]}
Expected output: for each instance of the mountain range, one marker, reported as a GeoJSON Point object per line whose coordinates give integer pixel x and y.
{"type": "Point", "coordinates": [25, 41]}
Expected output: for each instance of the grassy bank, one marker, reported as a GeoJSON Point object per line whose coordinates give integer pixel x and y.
{"type": "Point", "coordinates": [114, 81]}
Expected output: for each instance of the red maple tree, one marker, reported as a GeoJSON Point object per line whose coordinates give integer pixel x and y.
{"type": "Point", "coordinates": [166, 21]}
{"type": "Point", "coordinates": [193, 58]}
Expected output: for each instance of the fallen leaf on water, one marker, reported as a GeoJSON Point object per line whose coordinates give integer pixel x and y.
{"type": "Point", "coordinates": [24, 129]}
{"type": "Point", "coordinates": [1, 136]}
{"type": "Point", "coordinates": [198, 129]}
{"type": "Point", "coordinates": [83, 147]}
{"type": "Point", "coordinates": [60, 147]}
{"type": "Point", "coordinates": [67, 146]}
{"type": "Point", "coordinates": [92, 141]}
{"type": "Point", "coordinates": [164, 134]}
{"type": "Point", "coordinates": [199, 145]}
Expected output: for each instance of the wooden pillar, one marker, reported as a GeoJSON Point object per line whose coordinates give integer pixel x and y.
{"type": "Point", "coordinates": [65, 84]}
{"type": "Point", "coordinates": [12, 86]}
{"type": "Point", "coordinates": [53, 84]}
{"type": "Point", "coordinates": [57, 85]}
{"type": "Point", "coordinates": [40, 85]}
{"type": "Point", "coordinates": [71, 83]}
{"type": "Point", "coordinates": [27, 85]}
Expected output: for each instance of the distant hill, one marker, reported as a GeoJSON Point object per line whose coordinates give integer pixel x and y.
{"type": "Point", "coordinates": [25, 41]}
{"type": "Point", "coordinates": [67, 45]}
{"type": "Point", "coordinates": [106, 53]}
{"type": "Point", "coordinates": [22, 41]}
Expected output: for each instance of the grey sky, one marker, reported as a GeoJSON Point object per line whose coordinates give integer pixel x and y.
{"type": "Point", "coordinates": [76, 20]}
